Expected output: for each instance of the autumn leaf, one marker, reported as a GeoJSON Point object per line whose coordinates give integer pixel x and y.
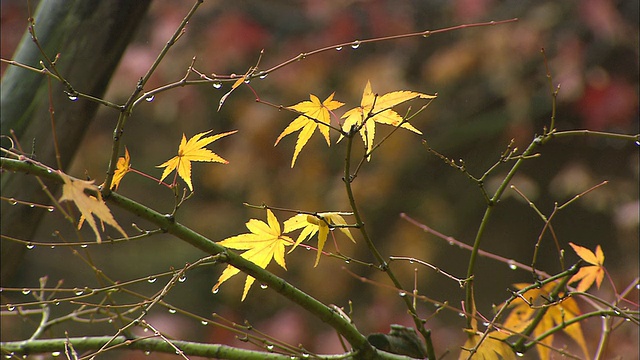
{"type": "Point", "coordinates": [377, 109]}
{"type": "Point", "coordinates": [587, 275]}
{"type": "Point", "coordinates": [264, 242]}
{"type": "Point", "coordinates": [556, 314]}
{"type": "Point", "coordinates": [313, 113]}
{"type": "Point", "coordinates": [74, 190]}
{"type": "Point", "coordinates": [493, 346]}
{"type": "Point", "coordinates": [233, 87]}
{"type": "Point", "coordinates": [193, 150]}
{"type": "Point", "coordinates": [122, 168]}
{"type": "Point", "coordinates": [319, 224]}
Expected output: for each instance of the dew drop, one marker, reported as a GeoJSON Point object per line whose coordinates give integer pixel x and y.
{"type": "Point", "coordinates": [270, 347]}
{"type": "Point", "coordinates": [426, 34]}
{"type": "Point", "coordinates": [519, 354]}
{"type": "Point", "coordinates": [56, 302]}
{"type": "Point", "coordinates": [263, 75]}
{"type": "Point", "coordinates": [50, 209]}
{"type": "Point", "coordinates": [339, 48]}
{"type": "Point", "coordinates": [72, 96]}
{"type": "Point", "coordinates": [204, 322]}
{"type": "Point", "coordinates": [49, 171]}
{"type": "Point", "coordinates": [84, 246]}
{"type": "Point", "coordinates": [12, 201]}
{"type": "Point", "coordinates": [355, 44]}
{"type": "Point", "coordinates": [451, 243]}
{"type": "Point", "coordinates": [263, 286]}
{"type": "Point", "coordinates": [26, 291]}
{"type": "Point", "coordinates": [78, 291]}
{"type": "Point", "coordinates": [182, 278]}
{"type": "Point", "coordinates": [305, 355]}
{"type": "Point", "coordinates": [150, 98]}
{"type": "Point", "coordinates": [147, 352]}
{"type": "Point", "coordinates": [55, 353]}
{"type": "Point", "coordinates": [9, 356]}
{"type": "Point", "coordinates": [216, 291]}
{"type": "Point", "coordinates": [10, 307]}
{"type": "Point", "coordinates": [52, 247]}
{"type": "Point", "coordinates": [638, 142]}
{"type": "Point", "coordinates": [347, 261]}
{"type": "Point", "coordinates": [30, 246]}
{"type": "Point", "coordinates": [461, 314]}
{"type": "Point", "coordinates": [217, 85]}
{"type": "Point", "coordinates": [151, 279]}
{"type": "Point", "coordinates": [402, 293]}
{"type": "Point", "coordinates": [512, 265]}
{"type": "Point", "coordinates": [172, 311]}
{"type": "Point", "coordinates": [247, 80]}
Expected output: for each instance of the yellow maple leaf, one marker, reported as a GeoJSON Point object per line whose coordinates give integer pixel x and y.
{"type": "Point", "coordinates": [74, 190]}
{"type": "Point", "coordinates": [263, 243]}
{"type": "Point", "coordinates": [377, 109]}
{"type": "Point", "coordinates": [556, 314]}
{"type": "Point", "coordinates": [311, 225]}
{"type": "Point", "coordinates": [587, 275]}
{"type": "Point", "coordinates": [122, 168]}
{"type": "Point", "coordinates": [313, 113]}
{"type": "Point", "coordinates": [492, 347]}
{"type": "Point", "coordinates": [193, 150]}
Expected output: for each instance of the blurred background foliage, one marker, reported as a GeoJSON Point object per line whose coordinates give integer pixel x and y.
{"type": "Point", "coordinates": [492, 87]}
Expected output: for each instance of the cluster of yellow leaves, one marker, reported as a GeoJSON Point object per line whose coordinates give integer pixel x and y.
{"type": "Point", "coordinates": [557, 314]}
{"type": "Point", "coordinates": [373, 109]}
{"type": "Point", "coordinates": [193, 150]}
{"type": "Point", "coordinates": [319, 224]}
{"type": "Point", "coordinates": [76, 190]}
{"type": "Point", "coordinates": [266, 241]}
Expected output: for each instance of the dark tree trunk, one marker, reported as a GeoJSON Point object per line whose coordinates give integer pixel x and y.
{"type": "Point", "coordinates": [90, 37]}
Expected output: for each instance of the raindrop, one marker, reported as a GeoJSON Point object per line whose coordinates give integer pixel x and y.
{"type": "Point", "coordinates": [84, 246]}
{"type": "Point", "coordinates": [217, 84]}
{"type": "Point", "coordinates": [151, 280]}
{"type": "Point", "coordinates": [247, 80]}
{"type": "Point", "coordinates": [147, 352]}
{"type": "Point", "coordinates": [26, 291]}
{"type": "Point", "coordinates": [263, 75]}
{"type": "Point", "coordinates": [305, 355]}
{"type": "Point", "coordinates": [216, 291]}
{"type": "Point", "coordinates": [30, 246]}
{"type": "Point", "coordinates": [426, 34]}
{"type": "Point", "coordinates": [451, 243]}
{"type": "Point", "coordinates": [10, 307]}
{"type": "Point", "coordinates": [461, 314]}
{"type": "Point", "coordinates": [182, 278]}
{"type": "Point", "coordinates": [263, 286]}
{"type": "Point", "coordinates": [402, 293]}
{"type": "Point", "coordinates": [50, 209]}
{"type": "Point", "coordinates": [72, 96]}
{"type": "Point", "coordinates": [172, 311]}
{"type": "Point", "coordinates": [339, 48]}
{"type": "Point", "coordinates": [56, 302]}
{"type": "Point", "coordinates": [437, 305]}
{"type": "Point", "coordinates": [9, 356]}
{"type": "Point", "coordinates": [32, 206]}
{"type": "Point", "coordinates": [78, 291]}
{"type": "Point", "coordinates": [150, 98]}
{"type": "Point", "coordinates": [519, 354]}
{"type": "Point", "coordinates": [12, 201]}
{"type": "Point", "coordinates": [270, 347]}
{"type": "Point", "coordinates": [204, 322]}
{"type": "Point", "coordinates": [347, 261]}
{"type": "Point", "coordinates": [512, 265]}
{"type": "Point", "coordinates": [638, 142]}
{"type": "Point", "coordinates": [355, 44]}
{"type": "Point", "coordinates": [52, 246]}
{"type": "Point", "coordinates": [55, 353]}
{"type": "Point", "coordinates": [49, 171]}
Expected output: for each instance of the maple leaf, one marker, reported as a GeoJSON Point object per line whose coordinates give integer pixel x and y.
{"type": "Point", "coordinates": [263, 243]}
{"type": "Point", "coordinates": [319, 224]}
{"type": "Point", "coordinates": [587, 275]}
{"type": "Point", "coordinates": [377, 109]}
{"type": "Point", "coordinates": [193, 150]}
{"type": "Point", "coordinates": [556, 314]}
{"type": "Point", "coordinates": [493, 346]}
{"type": "Point", "coordinates": [313, 113]}
{"type": "Point", "coordinates": [122, 168]}
{"type": "Point", "coordinates": [74, 190]}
